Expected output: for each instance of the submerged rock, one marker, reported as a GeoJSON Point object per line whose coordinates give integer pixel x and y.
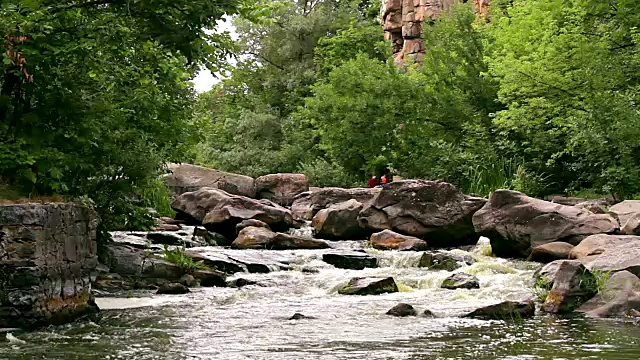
{"type": "Point", "coordinates": [354, 261]}
{"type": "Point", "coordinates": [389, 240]}
{"type": "Point", "coordinates": [172, 289]}
{"type": "Point", "coordinates": [516, 223]}
{"type": "Point", "coordinates": [281, 188]}
{"type": "Point", "coordinates": [609, 253]}
{"type": "Point", "coordinates": [402, 310]}
{"type": "Point", "coordinates": [262, 238]}
{"type": "Point", "coordinates": [210, 238]}
{"type": "Point", "coordinates": [220, 211]}
{"type": "Point", "coordinates": [628, 214]}
{"type": "Point", "coordinates": [436, 212]}
{"type": "Point", "coordinates": [428, 313]}
{"type": "Point", "coordinates": [306, 205]}
{"type": "Point", "coordinates": [508, 310]}
{"type": "Point", "coordinates": [339, 221]}
{"type": "Point", "coordinates": [573, 284]}
{"type": "Point", "coordinates": [299, 316]}
{"type": "Point", "coordinates": [547, 253]}
{"type": "Point", "coordinates": [210, 278]}
{"type": "Point", "coordinates": [619, 297]}
{"type": "Point", "coordinates": [461, 281]}
{"type": "Point", "coordinates": [186, 178]}
{"type": "Point", "coordinates": [440, 260]}
{"type": "Point", "coordinates": [369, 286]}
{"type": "Point", "coordinates": [240, 282]}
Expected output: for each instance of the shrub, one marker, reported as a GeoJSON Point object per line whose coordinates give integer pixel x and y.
{"type": "Point", "coordinates": [183, 261]}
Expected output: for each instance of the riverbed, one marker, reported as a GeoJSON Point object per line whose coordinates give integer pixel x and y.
{"type": "Point", "coordinates": [253, 322]}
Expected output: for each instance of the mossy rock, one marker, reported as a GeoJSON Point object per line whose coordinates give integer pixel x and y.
{"type": "Point", "coordinates": [369, 286]}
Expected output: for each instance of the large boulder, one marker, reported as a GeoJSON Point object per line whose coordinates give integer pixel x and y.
{"type": "Point", "coordinates": [508, 310]}
{"type": "Point", "coordinates": [262, 238]}
{"type": "Point", "coordinates": [515, 223]}
{"type": "Point", "coordinates": [547, 253]}
{"type": "Point", "coordinates": [339, 221]}
{"type": "Point", "coordinates": [369, 286]}
{"type": "Point", "coordinates": [307, 204]}
{"type": "Point", "coordinates": [281, 188]}
{"type": "Point", "coordinates": [354, 261]}
{"type": "Point", "coordinates": [188, 178]}
{"type": "Point", "coordinates": [460, 281]}
{"type": "Point", "coordinates": [572, 286]}
{"type": "Point", "coordinates": [431, 210]}
{"type": "Point", "coordinates": [220, 211]}
{"type": "Point", "coordinates": [628, 214]}
{"type": "Point", "coordinates": [389, 240]}
{"type": "Point", "coordinates": [619, 297]}
{"type": "Point", "coordinates": [609, 253]}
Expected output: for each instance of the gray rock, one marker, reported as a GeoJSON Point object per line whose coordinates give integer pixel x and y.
{"type": "Point", "coordinates": [210, 278]}
{"type": "Point", "coordinates": [508, 310]}
{"type": "Point", "coordinates": [354, 261]}
{"type": "Point", "coordinates": [547, 253]}
{"type": "Point", "coordinates": [188, 280]}
{"type": "Point", "coordinates": [628, 214]}
{"type": "Point", "coordinates": [281, 188]}
{"type": "Point", "coordinates": [428, 313]}
{"type": "Point", "coordinates": [217, 261]}
{"type": "Point", "coordinates": [187, 178]}
{"type": "Point", "coordinates": [240, 282]}
{"type": "Point", "coordinates": [261, 238]}
{"type": "Point", "coordinates": [220, 211]}
{"type": "Point", "coordinates": [619, 297]}
{"type": "Point", "coordinates": [516, 223]}
{"type": "Point", "coordinates": [547, 273]}
{"type": "Point", "coordinates": [436, 212]}
{"type": "Point", "coordinates": [168, 238]}
{"type": "Point", "coordinates": [461, 281]}
{"type": "Point", "coordinates": [402, 310]}
{"type": "Point", "coordinates": [172, 289]}
{"type": "Point", "coordinates": [572, 286]}
{"type": "Point", "coordinates": [389, 240]}
{"type": "Point", "coordinates": [609, 253]}
{"type": "Point", "coordinates": [306, 205]}
{"type": "Point", "coordinates": [369, 286]}
{"type": "Point", "coordinates": [298, 316]}
{"type": "Point", "coordinates": [205, 237]}
{"type": "Point", "coordinates": [440, 260]}
{"type": "Point", "coordinates": [339, 222]}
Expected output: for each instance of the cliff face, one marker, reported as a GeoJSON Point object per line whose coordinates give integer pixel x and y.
{"type": "Point", "coordinates": [402, 22]}
{"type": "Point", "coordinates": [47, 255]}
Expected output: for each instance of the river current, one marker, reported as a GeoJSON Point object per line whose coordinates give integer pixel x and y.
{"type": "Point", "coordinates": [253, 322]}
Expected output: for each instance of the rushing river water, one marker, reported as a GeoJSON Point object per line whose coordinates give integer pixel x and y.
{"type": "Point", "coordinates": [252, 322]}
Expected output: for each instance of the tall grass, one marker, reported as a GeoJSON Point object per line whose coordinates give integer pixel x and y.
{"type": "Point", "coordinates": [483, 179]}
{"type": "Point", "coordinates": [158, 196]}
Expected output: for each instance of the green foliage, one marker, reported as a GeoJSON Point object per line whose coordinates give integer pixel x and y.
{"type": "Point", "coordinates": [186, 263]}
{"type": "Point", "coordinates": [322, 173]}
{"type": "Point", "coordinates": [541, 288]}
{"type": "Point", "coordinates": [157, 196]}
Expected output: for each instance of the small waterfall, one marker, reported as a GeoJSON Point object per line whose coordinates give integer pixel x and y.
{"type": "Point", "coordinates": [306, 231]}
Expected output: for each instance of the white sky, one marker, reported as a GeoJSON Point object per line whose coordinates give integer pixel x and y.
{"type": "Point", "coordinates": [204, 80]}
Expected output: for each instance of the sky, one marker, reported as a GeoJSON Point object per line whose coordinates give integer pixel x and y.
{"type": "Point", "coordinates": [205, 80]}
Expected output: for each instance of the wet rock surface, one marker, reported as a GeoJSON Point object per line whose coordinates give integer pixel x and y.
{"type": "Point", "coordinates": [516, 223]}
{"type": "Point", "coordinates": [389, 240]}
{"type": "Point", "coordinates": [461, 281]}
{"type": "Point", "coordinates": [369, 286]}
{"type": "Point", "coordinates": [402, 310]}
{"type": "Point", "coordinates": [354, 261]}
{"type": "Point", "coordinates": [436, 212]}
{"type": "Point", "coordinates": [262, 238]}
{"type": "Point", "coordinates": [172, 289]}
{"type": "Point", "coordinates": [508, 310]}
{"type": "Point", "coordinates": [573, 285]}
{"type": "Point", "coordinates": [441, 260]}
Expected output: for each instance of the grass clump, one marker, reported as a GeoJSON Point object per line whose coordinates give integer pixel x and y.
{"type": "Point", "coordinates": [185, 262]}
{"type": "Point", "coordinates": [541, 288]}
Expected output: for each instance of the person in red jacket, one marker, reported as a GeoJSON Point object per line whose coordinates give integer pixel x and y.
{"type": "Point", "coordinates": [373, 182]}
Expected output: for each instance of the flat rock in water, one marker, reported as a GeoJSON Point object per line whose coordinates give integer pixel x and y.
{"type": "Point", "coordinates": [620, 297]}
{"type": "Point", "coordinates": [609, 253]}
{"type": "Point", "coordinates": [402, 310]}
{"type": "Point", "coordinates": [508, 310]}
{"type": "Point", "coordinates": [516, 223]}
{"type": "Point", "coordinates": [389, 240]}
{"type": "Point", "coordinates": [172, 289]}
{"type": "Point", "coordinates": [434, 211]}
{"type": "Point", "coordinates": [306, 205]}
{"type": "Point", "coordinates": [441, 260]}
{"type": "Point", "coordinates": [354, 261]}
{"type": "Point", "coordinates": [547, 253]}
{"type": "Point", "coordinates": [369, 286]}
{"type": "Point", "coordinates": [572, 286]}
{"type": "Point", "coordinates": [262, 238]}
{"type": "Point", "coordinates": [217, 261]}
{"type": "Point", "coordinates": [461, 281]}
{"type": "Point", "coordinates": [339, 222]}
{"type": "Point", "coordinates": [628, 214]}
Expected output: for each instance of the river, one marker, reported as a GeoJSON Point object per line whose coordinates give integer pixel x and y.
{"type": "Point", "coordinates": [252, 322]}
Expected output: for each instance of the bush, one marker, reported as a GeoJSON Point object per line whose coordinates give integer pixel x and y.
{"type": "Point", "coordinates": [322, 173]}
